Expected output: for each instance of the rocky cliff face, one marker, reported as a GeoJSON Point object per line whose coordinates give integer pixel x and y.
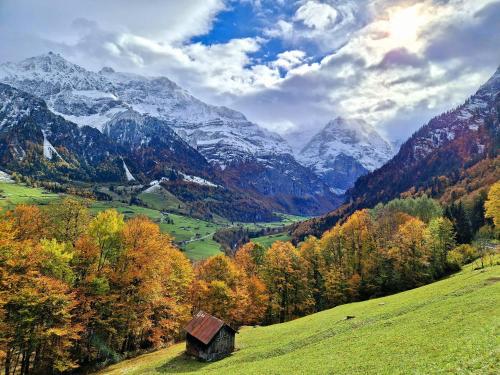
{"type": "Point", "coordinates": [36, 142]}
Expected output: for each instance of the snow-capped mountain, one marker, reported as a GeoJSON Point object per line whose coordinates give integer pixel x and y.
{"type": "Point", "coordinates": [30, 134]}
{"type": "Point", "coordinates": [84, 97]}
{"type": "Point", "coordinates": [344, 150]}
{"type": "Point", "coordinates": [242, 154]}
{"type": "Point", "coordinates": [435, 156]}
{"type": "Point", "coordinates": [221, 134]}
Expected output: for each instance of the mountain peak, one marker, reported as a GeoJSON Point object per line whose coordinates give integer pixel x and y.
{"type": "Point", "coordinates": [349, 131]}
{"type": "Point", "coordinates": [50, 74]}
{"type": "Point", "coordinates": [492, 86]}
{"type": "Point", "coordinates": [48, 62]}
{"type": "Point", "coordinates": [345, 149]}
{"type": "Point", "coordinates": [355, 125]}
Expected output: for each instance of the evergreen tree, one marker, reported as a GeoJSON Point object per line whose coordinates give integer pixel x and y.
{"type": "Point", "coordinates": [477, 212]}
{"type": "Point", "coordinates": [456, 213]}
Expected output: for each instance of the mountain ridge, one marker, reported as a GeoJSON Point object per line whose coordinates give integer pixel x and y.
{"type": "Point", "coordinates": [434, 158]}
{"type": "Point", "coordinates": [226, 139]}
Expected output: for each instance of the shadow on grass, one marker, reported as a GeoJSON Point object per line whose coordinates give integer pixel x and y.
{"type": "Point", "coordinates": [181, 363]}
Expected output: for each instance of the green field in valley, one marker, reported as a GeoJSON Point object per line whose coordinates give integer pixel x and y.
{"type": "Point", "coordinates": [13, 194]}
{"type": "Point", "coordinates": [267, 241]}
{"type": "Point", "coordinates": [161, 199]}
{"type": "Point", "coordinates": [448, 327]}
{"type": "Point", "coordinates": [194, 236]}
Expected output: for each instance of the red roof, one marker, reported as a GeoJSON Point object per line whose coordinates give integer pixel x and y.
{"type": "Point", "coordinates": [204, 327]}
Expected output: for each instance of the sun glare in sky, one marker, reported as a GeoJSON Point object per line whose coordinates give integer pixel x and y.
{"type": "Point", "coordinates": [404, 25]}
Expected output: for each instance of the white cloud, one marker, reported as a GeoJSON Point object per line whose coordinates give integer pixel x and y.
{"type": "Point", "coordinates": [393, 62]}
{"type": "Point", "coordinates": [289, 59]}
{"type": "Point", "coordinates": [316, 15]}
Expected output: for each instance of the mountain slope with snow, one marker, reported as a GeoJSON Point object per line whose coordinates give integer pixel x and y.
{"type": "Point", "coordinates": [227, 140]}
{"type": "Point", "coordinates": [438, 151]}
{"type": "Point", "coordinates": [37, 143]}
{"type": "Point", "coordinates": [84, 97]}
{"type": "Point", "coordinates": [344, 150]}
{"type": "Point", "coordinates": [439, 159]}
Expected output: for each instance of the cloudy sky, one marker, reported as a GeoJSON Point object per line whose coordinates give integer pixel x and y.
{"type": "Point", "coordinates": [288, 65]}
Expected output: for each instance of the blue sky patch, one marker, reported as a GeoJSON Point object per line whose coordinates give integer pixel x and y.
{"type": "Point", "coordinates": [244, 20]}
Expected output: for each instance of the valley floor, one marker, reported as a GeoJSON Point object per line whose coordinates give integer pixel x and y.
{"type": "Point", "coordinates": [193, 236]}
{"type": "Point", "coordinates": [448, 327]}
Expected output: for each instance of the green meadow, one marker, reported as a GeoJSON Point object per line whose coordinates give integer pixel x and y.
{"type": "Point", "coordinates": [13, 194]}
{"type": "Point", "coordinates": [193, 236]}
{"type": "Point", "coordinates": [267, 241]}
{"type": "Point", "coordinates": [448, 327]}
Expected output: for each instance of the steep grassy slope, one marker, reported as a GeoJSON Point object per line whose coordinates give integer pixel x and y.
{"type": "Point", "coordinates": [449, 327]}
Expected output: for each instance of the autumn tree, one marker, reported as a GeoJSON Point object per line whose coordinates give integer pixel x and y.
{"type": "Point", "coordinates": [250, 258]}
{"type": "Point", "coordinates": [492, 205]}
{"type": "Point", "coordinates": [410, 254]}
{"type": "Point", "coordinates": [37, 306]}
{"type": "Point", "coordinates": [286, 279]}
{"type": "Point", "coordinates": [29, 223]}
{"type": "Point", "coordinates": [315, 268]}
{"type": "Point", "coordinates": [224, 289]}
{"type": "Point", "coordinates": [152, 278]}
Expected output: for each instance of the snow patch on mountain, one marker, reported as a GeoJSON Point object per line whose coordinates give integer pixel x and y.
{"type": "Point", "coordinates": [184, 177]}
{"type": "Point", "coordinates": [127, 172]}
{"type": "Point", "coordinates": [48, 150]}
{"type": "Point", "coordinates": [197, 180]}
{"type": "Point", "coordinates": [5, 178]}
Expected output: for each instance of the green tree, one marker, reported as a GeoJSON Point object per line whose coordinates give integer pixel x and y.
{"type": "Point", "coordinates": [456, 213]}
{"type": "Point", "coordinates": [440, 239]}
{"type": "Point", "coordinates": [68, 219]}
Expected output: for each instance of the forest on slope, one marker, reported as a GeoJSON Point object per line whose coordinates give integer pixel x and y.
{"type": "Point", "coordinates": [80, 290]}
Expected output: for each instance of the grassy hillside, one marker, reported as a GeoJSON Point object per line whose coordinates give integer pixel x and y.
{"type": "Point", "coordinates": [449, 327]}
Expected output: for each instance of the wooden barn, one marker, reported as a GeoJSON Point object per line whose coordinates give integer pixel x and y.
{"type": "Point", "coordinates": [209, 338]}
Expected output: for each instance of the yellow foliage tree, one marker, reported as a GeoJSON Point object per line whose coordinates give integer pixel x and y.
{"type": "Point", "coordinates": [492, 205]}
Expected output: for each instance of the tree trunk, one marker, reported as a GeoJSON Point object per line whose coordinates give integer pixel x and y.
{"type": "Point", "coordinates": [8, 360]}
